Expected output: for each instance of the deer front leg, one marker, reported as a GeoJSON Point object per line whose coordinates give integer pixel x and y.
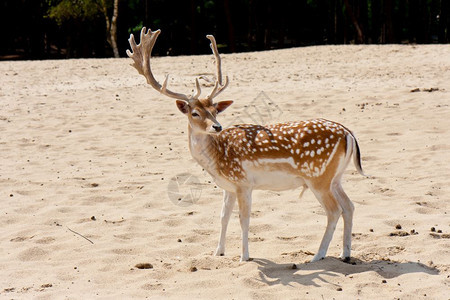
{"type": "Point", "coordinates": [227, 208]}
{"type": "Point", "coordinates": [245, 203]}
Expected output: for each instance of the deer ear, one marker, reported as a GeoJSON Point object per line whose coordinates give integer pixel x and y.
{"type": "Point", "coordinates": [222, 105]}
{"type": "Point", "coordinates": [183, 106]}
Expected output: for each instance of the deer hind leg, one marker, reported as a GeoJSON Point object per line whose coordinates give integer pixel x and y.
{"type": "Point", "coordinates": [245, 202]}
{"type": "Point", "coordinates": [227, 208]}
{"type": "Point", "coordinates": [347, 214]}
{"type": "Point", "coordinates": [333, 211]}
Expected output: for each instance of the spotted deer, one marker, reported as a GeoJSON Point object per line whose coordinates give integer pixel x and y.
{"type": "Point", "coordinates": [310, 154]}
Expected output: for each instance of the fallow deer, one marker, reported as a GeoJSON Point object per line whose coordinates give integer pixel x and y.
{"type": "Point", "coordinates": [310, 154]}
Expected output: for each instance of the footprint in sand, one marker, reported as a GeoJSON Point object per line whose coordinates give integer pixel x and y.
{"type": "Point", "coordinates": [34, 253]}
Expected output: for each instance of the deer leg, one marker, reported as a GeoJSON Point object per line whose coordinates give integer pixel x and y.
{"type": "Point", "coordinates": [347, 214]}
{"type": "Point", "coordinates": [245, 203]}
{"type": "Point", "coordinates": [333, 210]}
{"type": "Point", "coordinates": [227, 208]}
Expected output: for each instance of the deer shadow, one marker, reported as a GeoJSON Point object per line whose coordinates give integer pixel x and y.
{"type": "Point", "coordinates": [272, 273]}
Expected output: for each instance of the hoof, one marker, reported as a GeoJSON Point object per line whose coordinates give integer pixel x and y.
{"type": "Point", "coordinates": [219, 252]}
{"type": "Point", "coordinates": [348, 260]}
{"type": "Point", "coordinates": [245, 258]}
{"type": "Point", "coordinates": [317, 258]}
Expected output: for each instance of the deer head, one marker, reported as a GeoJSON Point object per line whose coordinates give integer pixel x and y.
{"type": "Point", "coordinates": [201, 112]}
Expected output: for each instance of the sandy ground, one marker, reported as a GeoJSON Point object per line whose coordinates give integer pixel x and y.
{"type": "Point", "coordinates": [90, 155]}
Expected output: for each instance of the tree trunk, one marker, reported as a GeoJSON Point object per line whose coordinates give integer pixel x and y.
{"type": "Point", "coordinates": [444, 22]}
{"type": "Point", "coordinates": [232, 41]}
{"type": "Point", "coordinates": [360, 35]}
{"type": "Point", "coordinates": [388, 26]}
{"type": "Point", "coordinates": [111, 26]}
{"type": "Point", "coordinates": [334, 15]}
{"type": "Point", "coordinates": [251, 21]}
{"type": "Point", "coordinates": [113, 31]}
{"type": "Point", "coordinates": [375, 29]}
{"type": "Point", "coordinates": [193, 27]}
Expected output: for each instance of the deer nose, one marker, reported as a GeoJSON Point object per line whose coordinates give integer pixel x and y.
{"type": "Point", "coordinates": [217, 128]}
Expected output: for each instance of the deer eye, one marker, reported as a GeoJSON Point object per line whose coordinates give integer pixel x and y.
{"type": "Point", "coordinates": [195, 115]}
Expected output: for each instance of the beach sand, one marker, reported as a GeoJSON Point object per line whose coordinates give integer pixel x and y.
{"type": "Point", "coordinates": [90, 155]}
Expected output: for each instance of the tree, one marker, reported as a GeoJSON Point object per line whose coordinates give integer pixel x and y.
{"type": "Point", "coordinates": [111, 25]}
{"type": "Point", "coordinates": [360, 34]}
{"type": "Point", "coordinates": [63, 11]}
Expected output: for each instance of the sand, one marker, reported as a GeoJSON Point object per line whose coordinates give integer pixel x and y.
{"type": "Point", "coordinates": [90, 155]}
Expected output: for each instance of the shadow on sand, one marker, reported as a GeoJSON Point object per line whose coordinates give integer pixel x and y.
{"type": "Point", "coordinates": [308, 274]}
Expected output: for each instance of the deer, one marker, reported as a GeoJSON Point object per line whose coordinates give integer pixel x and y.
{"type": "Point", "coordinates": [311, 154]}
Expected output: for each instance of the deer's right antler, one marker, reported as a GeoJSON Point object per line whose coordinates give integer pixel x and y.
{"type": "Point", "coordinates": [141, 56]}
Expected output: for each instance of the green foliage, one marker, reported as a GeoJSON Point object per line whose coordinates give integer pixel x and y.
{"type": "Point", "coordinates": [136, 28]}
{"type": "Point", "coordinates": [65, 10]}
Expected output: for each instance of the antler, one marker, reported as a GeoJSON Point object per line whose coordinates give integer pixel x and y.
{"type": "Point", "coordinates": [141, 56]}
{"type": "Point", "coordinates": [218, 87]}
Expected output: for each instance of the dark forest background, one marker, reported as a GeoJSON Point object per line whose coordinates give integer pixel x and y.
{"type": "Point", "coordinates": [43, 29]}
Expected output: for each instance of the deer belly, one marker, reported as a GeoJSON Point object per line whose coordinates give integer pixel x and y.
{"type": "Point", "coordinates": [272, 174]}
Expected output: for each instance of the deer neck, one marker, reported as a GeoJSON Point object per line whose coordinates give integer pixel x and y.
{"type": "Point", "coordinates": [204, 149]}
